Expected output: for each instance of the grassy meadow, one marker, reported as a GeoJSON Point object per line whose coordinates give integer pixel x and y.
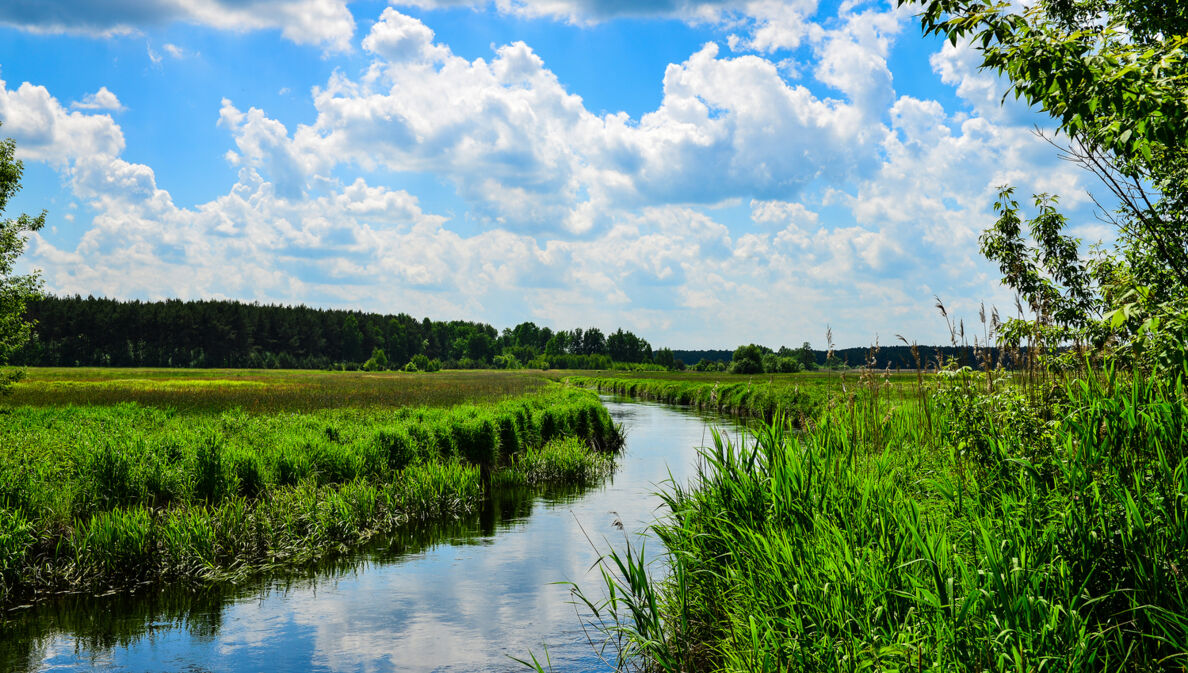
{"type": "Point", "coordinates": [263, 390]}
{"type": "Point", "coordinates": [114, 477]}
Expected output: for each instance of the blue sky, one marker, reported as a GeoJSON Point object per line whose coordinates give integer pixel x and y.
{"type": "Point", "coordinates": [703, 172]}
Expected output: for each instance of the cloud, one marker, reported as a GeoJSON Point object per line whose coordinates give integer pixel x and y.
{"type": "Point", "coordinates": [525, 152]}
{"type": "Point", "coordinates": [396, 37]}
{"type": "Point", "coordinates": [100, 100]}
{"type": "Point", "coordinates": [325, 23]}
{"type": "Point", "coordinates": [178, 52]}
{"type": "Point", "coordinates": [744, 206]}
{"type": "Point", "coordinates": [46, 131]}
{"type": "Point", "coordinates": [263, 144]}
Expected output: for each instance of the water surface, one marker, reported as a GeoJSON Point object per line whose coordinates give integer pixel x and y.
{"type": "Point", "coordinates": [458, 597]}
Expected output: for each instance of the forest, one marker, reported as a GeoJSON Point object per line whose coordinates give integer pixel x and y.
{"type": "Point", "coordinates": [77, 331]}
{"type": "Point", "coordinates": [81, 332]}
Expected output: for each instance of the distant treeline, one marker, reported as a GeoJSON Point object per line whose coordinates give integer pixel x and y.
{"type": "Point", "coordinates": [894, 357]}
{"type": "Point", "coordinates": [77, 331]}
{"type": "Point", "coordinates": [90, 331]}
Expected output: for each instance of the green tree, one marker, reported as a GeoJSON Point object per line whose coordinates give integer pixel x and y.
{"type": "Point", "coordinates": [665, 358]}
{"type": "Point", "coordinates": [15, 289]}
{"type": "Point", "coordinates": [558, 344]}
{"type": "Point", "coordinates": [1113, 75]}
{"type": "Point", "coordinates": [479, 347]}
{"type": "Point", "coordinates": [352, 339]}
{"type": "Point", "coordinates": [807, 359]}
{"type": "Point", "coordinates": [419, 363]}
{"type": "Point", "coordinates": [748, 359]}
{"type": "Point", "coordinates": [378, 361]}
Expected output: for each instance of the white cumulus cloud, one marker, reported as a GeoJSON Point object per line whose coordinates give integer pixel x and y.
{"type": "Point", "coordinates": [100, 100]}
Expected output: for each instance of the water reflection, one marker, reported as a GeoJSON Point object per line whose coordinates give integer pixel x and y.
{"type": "Point", "coordinates": [456, 597]}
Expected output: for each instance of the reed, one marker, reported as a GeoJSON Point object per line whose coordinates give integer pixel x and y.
{"type": "Point", "coordinates": [991, 534]}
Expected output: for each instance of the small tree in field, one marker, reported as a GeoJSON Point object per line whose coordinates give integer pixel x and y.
{"type": "Point", "coordinates": [377, 362]}
{"type": "Point", "coordinates": [15, 289]}
{"type": "Point", "coordinates": [747, 360]}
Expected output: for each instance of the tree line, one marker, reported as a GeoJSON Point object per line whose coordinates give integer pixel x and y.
{"type": "Point", "coordinates": [757, 359]}
{"type": "Point", "coordinates": [97, 331]}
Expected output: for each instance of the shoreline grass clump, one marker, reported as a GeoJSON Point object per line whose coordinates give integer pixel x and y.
{"type": "Point", "coordinates": [105, 496]}
{"type": "Point", "coordinates": [1015, 535]}
{"type": "Point", "coordinates": [566, 461]}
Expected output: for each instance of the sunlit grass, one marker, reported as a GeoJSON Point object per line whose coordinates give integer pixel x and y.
{"type": "Point", "coordinates": [265, 390]}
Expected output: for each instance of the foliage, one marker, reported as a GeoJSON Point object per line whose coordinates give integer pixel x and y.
{"type": "Point", "coordinates": [748, 359]}
{"type": "Point", "coordinates": [706, 365]}
{"type": "Point", "coordinates": [15, 289]}
{"type": "Point", "coordinates": [1050, 276]}
{"type": "Point", "coordinates": [506, 361]}
{"type": "Point", "coordinates": [378, 361]}
{"type": "Point", "coordinates": [1113, 76]}
{"type": "Point", "coordinates": [665, 358]}
{"type": "Point", "coordinates": [573, 361]}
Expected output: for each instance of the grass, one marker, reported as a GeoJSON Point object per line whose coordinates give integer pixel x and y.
{"type": "Point", "coordinates": [96, 493]}
{"type": "Point", "coordinates": [958, 531]}
{"type": "Point", "coordinates": [263, 390]}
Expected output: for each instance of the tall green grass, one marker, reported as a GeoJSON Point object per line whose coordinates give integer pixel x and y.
{"type": "Point", "coordinates": [999, 535]}
{"type": "Point", "coordinates": [96, 496]}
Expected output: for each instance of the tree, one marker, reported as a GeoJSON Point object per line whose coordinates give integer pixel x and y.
{"type": "Point", "coordinates": [378, 361]}
{"type": "Point", "coordinates": [558, 344]}
{"type": "Point", "coordinates": [747, 360]}
{"type": "Point", "coordinates": [352, 339]}
{"type": "Point", "coordinates": [15, 289]}
{"type": "Point", "coordinates": [807, 359]}
{"type": "Point", "coordinates": [479, 347]}
{"type": "Point", "coordinates": [1113, 76]}
{"type": "Point", "coordinates": [594, 342]}
{"type": "Point", "coordinates": [665, 358]}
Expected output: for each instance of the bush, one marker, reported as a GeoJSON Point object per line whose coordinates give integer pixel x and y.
{"type": "Point", "coordinates": [377, 362]}
{"type": "Point", "coordinates": [505, 361]}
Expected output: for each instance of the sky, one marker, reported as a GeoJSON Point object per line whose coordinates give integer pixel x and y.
{"type": "Point", "coordinates": [704, 173]}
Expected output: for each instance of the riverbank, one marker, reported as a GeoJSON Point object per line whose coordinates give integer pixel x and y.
{"type": "Point", "coordinates": [104, 496]}
{"type": "Point", "coordinates": [1004, 529]}
{"type": "Point", "coordinates": [795, 399]}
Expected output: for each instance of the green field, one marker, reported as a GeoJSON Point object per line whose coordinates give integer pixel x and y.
{"type": "Point", "coordinates": [264, 390]}
{"type": "Point", "coordinates": [111, 477]}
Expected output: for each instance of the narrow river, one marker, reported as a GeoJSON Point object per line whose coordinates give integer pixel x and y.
{"type": "Point", "coordinates": [463, 597]}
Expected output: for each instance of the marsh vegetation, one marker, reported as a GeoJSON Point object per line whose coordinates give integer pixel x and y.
{"type": "Point", "coordinates": [106, 494]}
